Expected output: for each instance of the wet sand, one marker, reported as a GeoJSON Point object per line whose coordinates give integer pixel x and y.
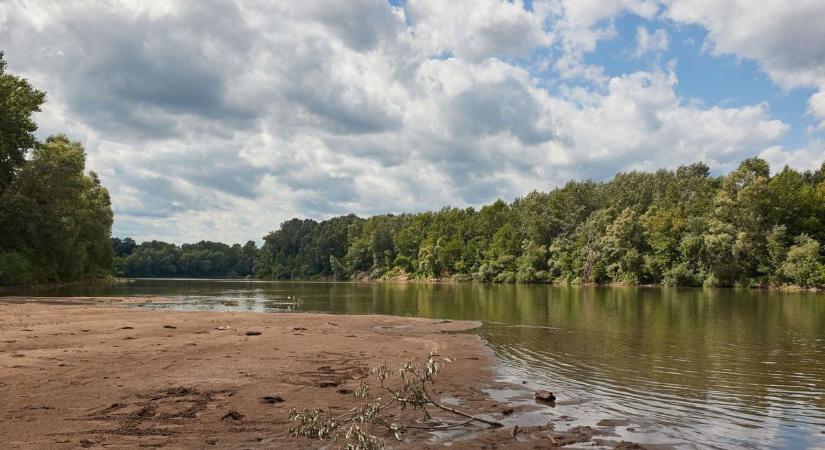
{"type": "Point", "coordinates": [86, 373]}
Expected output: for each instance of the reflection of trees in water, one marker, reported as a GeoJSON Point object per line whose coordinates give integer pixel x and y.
{"type": "Point", "coordinates": [732, 355]}
{"type": "Point", "coordinates": [685, 342]}
{"type": "Point", "coordinates": [729, 356]}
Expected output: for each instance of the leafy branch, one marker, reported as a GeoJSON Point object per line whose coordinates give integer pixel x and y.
{"type": "Point", "coordinates": [355, 428]}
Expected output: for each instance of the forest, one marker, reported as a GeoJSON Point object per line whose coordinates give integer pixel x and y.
{"type": "Point", "coordinates": [682, 227]}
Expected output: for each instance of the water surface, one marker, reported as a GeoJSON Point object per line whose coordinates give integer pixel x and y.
{"type": "Point", "coordinates": [690, 367]}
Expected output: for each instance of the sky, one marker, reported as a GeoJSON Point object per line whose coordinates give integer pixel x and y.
{"type": "Point", "coordinates": [220, 119]}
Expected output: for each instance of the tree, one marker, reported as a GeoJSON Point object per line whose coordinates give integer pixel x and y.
{"type": "Point", "coordinates": [56, 217]}
{"type": "Point", "coordinates": [123, 247]}
{"type": "Point", "coordinates": [18, 103]}
{"type": "Point", "coordinates": [662, 228]}
{"type": "Point", "coordinates": [803, 264]}
{"type": "Point", "coordinates": [623, 248]}
{"type": "Point", "coordinates": [532, 263]}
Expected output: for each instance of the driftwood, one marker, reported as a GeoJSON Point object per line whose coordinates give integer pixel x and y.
{"type": "Point", "coordinates": [353, 429]}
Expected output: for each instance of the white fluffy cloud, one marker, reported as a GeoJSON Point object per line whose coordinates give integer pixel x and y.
{"type": "Point", "coordinates": [220, 120]}
{"type": "Point", "coordinates": [816, 106]}
{"type": "Point", "coordinates": [806, 158]}
{"type": "Point", "coordinates": [785, 38]}
{"type": "Point", "coordinates": [476, 29]}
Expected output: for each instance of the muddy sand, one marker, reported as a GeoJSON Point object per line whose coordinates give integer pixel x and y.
{"type": "Point", "coordinates": [85, 373]}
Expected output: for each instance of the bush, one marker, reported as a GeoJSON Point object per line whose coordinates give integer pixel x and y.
{"type": "Point", "coordinates": [508, 276]}
{"type": "Point", "coordinates": [395, 272]}
{"type": "Point", "coordinates": [681, 275]}
{"type": "Point", "coordinates": [405, 263]}
{"type": "Point", "coordinates": [803, 264]}
{"type": "Point", "coordinates": [712, 281]}
{"type": "Point", "coordinates": [461, 277]}
{"type": "Point", "coordinates": [15, 269]}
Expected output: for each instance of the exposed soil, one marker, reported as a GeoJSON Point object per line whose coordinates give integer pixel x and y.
{"type": "Point", "coordinates": [85, 374]}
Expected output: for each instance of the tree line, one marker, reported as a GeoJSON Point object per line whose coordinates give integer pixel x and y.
{"type": "Point", "coordinates": [204, 259]}
{"type": "Point", "coordinates": [55, 218]}
{"type": "Point", "coordinates": [680, 227]}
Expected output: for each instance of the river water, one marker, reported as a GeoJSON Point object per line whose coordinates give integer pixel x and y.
{"type": "Point", "coordinates": [693, 368]}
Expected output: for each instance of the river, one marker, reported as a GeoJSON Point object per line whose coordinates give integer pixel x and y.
{"type": "Point", "coordinates": [692, 368]}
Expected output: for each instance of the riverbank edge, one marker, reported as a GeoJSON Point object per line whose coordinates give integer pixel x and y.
{"type": "Point", "coordinates": [452, 280]}
{"type": "Point", "coordinates": [90, 283]}
{"type": "Point", "coordinates": [86, 282]}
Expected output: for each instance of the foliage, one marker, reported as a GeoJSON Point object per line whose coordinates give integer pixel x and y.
{"type": "Point", "coordinates": [681, 227]}
{"type": "Point", "coordinates": [56, 219]}
{"type": "Point", "coordinates": [205, 259]}
{"type": "Point", "coordinates": [18, 102]}
{"type": "Point", "coordinates": [382, 406]}
{"type": "Point", "coordinates": [803, 264]}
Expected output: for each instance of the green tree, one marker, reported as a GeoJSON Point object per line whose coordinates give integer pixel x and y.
{"type": "Point", "coordinates": [57, 217]}
{"type": "Point", "coordinates": [624, 248]}
{"type": "Point", "coordinates": [18, 103]}
{"type": "Point", "coordinates": [803, 264]}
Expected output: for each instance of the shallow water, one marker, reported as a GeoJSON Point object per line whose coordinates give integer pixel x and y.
{"type": "Point", "coordinates": [690, 367]}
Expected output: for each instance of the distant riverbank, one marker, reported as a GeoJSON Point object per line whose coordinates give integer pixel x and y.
{"type": "Point", "coordinates": [92, 283]}
{"type": "Point", "coordinates": [365, 278]}
{"type": "Point", "coordinates": [86, 282]}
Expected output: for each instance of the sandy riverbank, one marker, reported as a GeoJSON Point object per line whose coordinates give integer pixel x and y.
{"type": "Point", "coordinates": [84, 373]}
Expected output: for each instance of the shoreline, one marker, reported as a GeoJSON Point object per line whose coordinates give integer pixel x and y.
{"type": "Point", "coordinates": [80, 372]}
{"type": "Point", "coordinates": [32, 290]}
{"type": "Point", "coordinates": [88, 282]}
{"type": "Point", "coordinates": [783, 288]}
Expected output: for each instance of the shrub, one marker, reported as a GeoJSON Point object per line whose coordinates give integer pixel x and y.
{"type": "Point", "coordinates": [15, 269]}
{"type": "Point", "coordinates": [803, 264]}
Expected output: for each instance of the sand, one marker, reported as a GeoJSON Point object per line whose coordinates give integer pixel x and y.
{"type": "Point", "coordinates": [86, 373]}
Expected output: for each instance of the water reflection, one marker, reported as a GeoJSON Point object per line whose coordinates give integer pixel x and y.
{"type": "Point", "coordinates": [717, 367]}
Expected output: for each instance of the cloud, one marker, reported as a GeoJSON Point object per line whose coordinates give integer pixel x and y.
{"type": "Point", "coordinates": [816, 106]}
{"type": "Point", "coordinates": [222, 119]}
{"type": "Point", "coordinates": [647, 42]}
{"type": "Point", "coordinates": [582, 24]}
{"type": "Point", "coordinates": [784, 38]}
{"type": "Point", "coordinates": [477, 29]}
{"type": "Point", "coordinates": [806, 158]}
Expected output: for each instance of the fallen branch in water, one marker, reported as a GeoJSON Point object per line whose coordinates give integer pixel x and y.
{"type": "Point", "coordinates": [353, 428]}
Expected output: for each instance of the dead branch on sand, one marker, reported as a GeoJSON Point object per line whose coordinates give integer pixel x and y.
{"type": "Point", "coordinates": [353, 430]}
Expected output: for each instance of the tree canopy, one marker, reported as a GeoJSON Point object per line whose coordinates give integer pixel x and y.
{"type": "Point", "coordinates": [18, 102]}
{"type": "Point", "coordinates": [681, 227]}
{"type": "Point", "coordinates": [204, 259]}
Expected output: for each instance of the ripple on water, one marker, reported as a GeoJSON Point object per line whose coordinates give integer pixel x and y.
{"type": "Point", "coordinates": [720, 395]}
